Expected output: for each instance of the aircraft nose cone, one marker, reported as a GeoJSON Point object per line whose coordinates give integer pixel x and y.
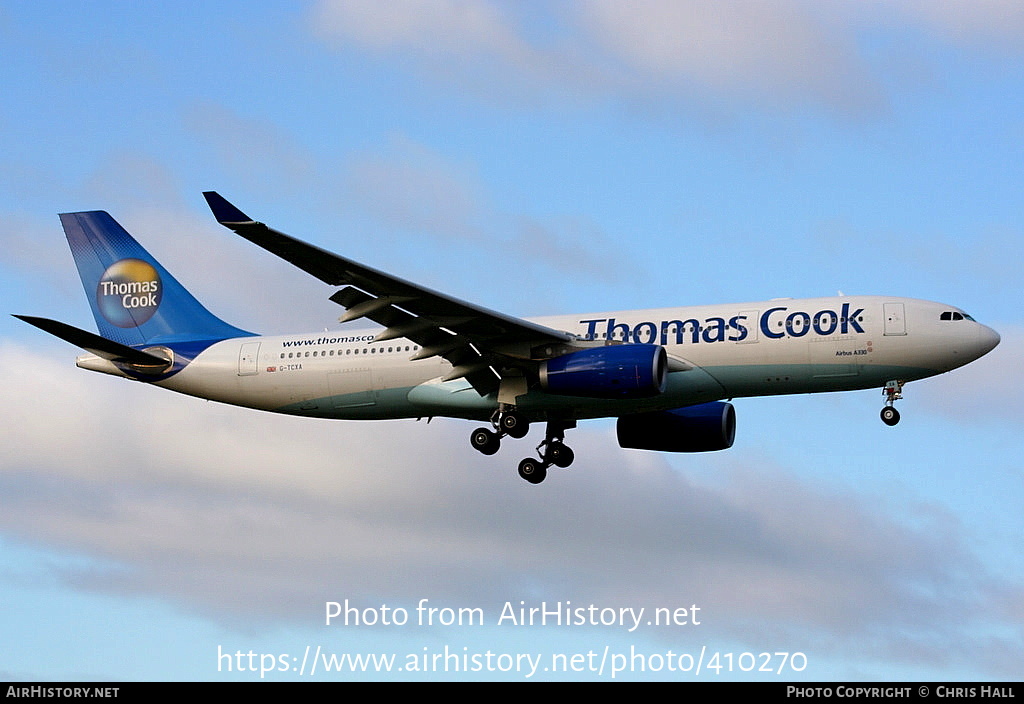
{"type": "Point", "coordinates": [987, 339]}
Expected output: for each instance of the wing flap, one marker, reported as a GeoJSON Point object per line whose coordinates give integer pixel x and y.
{"type": "Point", "coordinates": [429, 334]}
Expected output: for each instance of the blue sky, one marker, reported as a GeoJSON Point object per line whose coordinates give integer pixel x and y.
{"type": "Point", "coordinates": [536, 158]}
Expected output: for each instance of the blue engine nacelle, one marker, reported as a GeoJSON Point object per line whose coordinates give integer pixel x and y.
{"type": "Point", "coordinates": [703, 428]}
{"type": "Point", "coordinates": [615, 371]}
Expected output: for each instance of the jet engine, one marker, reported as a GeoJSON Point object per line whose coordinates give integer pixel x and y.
{"type": "Point", "coordinates": [615, 371]}
{"type": "Point", "coordinates": [702, 428]}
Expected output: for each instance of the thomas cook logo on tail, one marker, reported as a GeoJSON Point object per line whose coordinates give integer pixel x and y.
{"type": "Point", "coordinates": [129, 293]}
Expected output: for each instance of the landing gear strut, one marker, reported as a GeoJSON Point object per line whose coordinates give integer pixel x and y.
{"type": "Point", "coordinates": [893, 391]}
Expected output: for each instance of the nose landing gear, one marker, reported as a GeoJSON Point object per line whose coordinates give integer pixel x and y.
{"type": "Point", "coordinates": [893, 391]}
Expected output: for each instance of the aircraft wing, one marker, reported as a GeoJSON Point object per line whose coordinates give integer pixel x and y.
{"type": "Point", "coordinates": [479, 343]}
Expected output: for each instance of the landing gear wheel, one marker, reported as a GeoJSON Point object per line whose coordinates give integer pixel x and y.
{"type": "Point", "coordinates": [890, 416]}
{"type": "Point", "coordinates": [514, 425]}
{"type": "Point", "coordinates": [485, 441]}
{"type": "Point", "coordinates": [559, 454]}
{"type": "Point", "coordinates": [532, 470]}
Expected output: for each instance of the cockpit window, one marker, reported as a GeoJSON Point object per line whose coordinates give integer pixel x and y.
{"type": "Point", "coordinates": [954, 315]}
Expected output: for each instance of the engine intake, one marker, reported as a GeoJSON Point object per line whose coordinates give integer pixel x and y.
{"type": "Point", "coordinates": [702, 428]}
{"type": "Point", "coordinates": [615, 371]}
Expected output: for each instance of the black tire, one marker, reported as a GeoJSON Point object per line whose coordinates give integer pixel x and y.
{"type": "Point", "coordinates": [485, 441]}
{"type": "Point", "coordinates": [514, 424]}
{"type": "Point", "coordinates": [559, 454]}
{"type": "Point", "coordinates": [890, 416]}
{"type": "Point", "coordinates": [532, 470]}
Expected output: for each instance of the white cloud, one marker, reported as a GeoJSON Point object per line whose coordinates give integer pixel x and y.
{"type": "Point", "coordinates": [982, 23]}
{"type": "Point", "coordinates": [479, 46]}
{"type": "Point", "coordinates": [232, 513]}
{"type": "Point", "coordinates": [779, 55]}
{"type": "Point", "coordinates": [776, 53]}
{"type": "Point", "coordinates": [428, 26]}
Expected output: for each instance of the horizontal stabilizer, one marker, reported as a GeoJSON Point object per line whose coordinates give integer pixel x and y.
{"type": "Point", "coordinates": [100, 346]}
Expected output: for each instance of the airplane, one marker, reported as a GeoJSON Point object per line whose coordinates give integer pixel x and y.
{"type": "Point", "coordinates": [668, 375]}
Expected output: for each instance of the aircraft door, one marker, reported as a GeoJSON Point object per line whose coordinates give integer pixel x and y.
{"type": "Point", "coordinates": [749, 319]}
{"type": "Point", "coordinates": [248, 356]}
{"type": "Point", "coordinates": [895, 322]}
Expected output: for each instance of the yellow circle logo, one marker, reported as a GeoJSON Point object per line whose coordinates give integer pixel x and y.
{"type": "Point", "coordinates": [129, 293]}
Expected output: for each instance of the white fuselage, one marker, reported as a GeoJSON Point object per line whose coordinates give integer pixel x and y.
{"type": "Point", "coordinates": [715, 352]}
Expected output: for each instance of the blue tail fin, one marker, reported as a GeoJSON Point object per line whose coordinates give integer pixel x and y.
{"type": "Point", "coordinates": [134, 299]}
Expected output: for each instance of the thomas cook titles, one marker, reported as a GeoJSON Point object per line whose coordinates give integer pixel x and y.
{"type": "Point", "coordinates": [773, 324]}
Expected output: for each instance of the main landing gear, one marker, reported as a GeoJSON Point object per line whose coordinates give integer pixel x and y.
{"type": "Point", "coordinates": [552, 451]}
{"type": "Point", "coordinates": [893, 392]}
{"type": "Point", "coordinates": [504, 423]}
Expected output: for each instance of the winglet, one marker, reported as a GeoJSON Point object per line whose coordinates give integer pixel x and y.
{"type": "Point", "coordinates": [224, 211]}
